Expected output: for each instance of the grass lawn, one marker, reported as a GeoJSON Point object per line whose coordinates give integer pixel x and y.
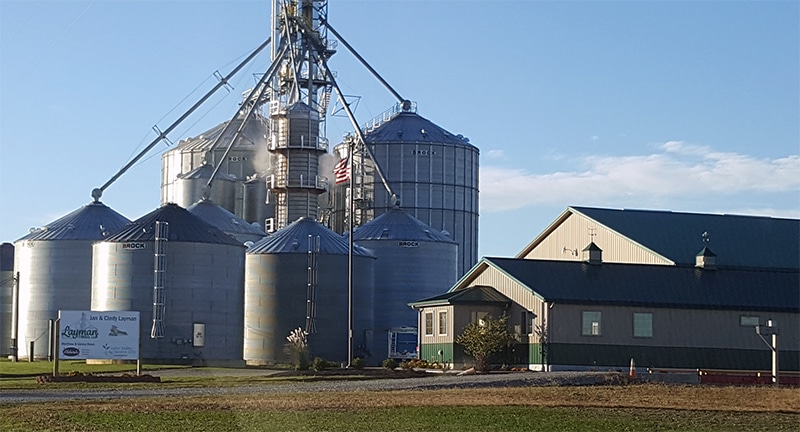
{"type": "Point", "coordinates": [594, 408]}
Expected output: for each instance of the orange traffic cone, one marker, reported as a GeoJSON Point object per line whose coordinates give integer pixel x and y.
{"type": "Point", "coordinates": [632, 373]}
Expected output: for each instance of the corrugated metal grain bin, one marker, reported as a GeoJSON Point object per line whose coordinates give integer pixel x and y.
{"type": "Point", "coordinates": [55, 270]}
{"type": "Point", "coordinates": [247, 158]}
{"type": "Point", "coordinates": [201, 280]}
{"type": "Point", "coordinates": [6, 296]}
{"type": "Point", "coordinates": [287, 287]}
{"type": "Point", "coordinates": [236, 227]}
{"type": "Point", "coordinates": [414, 261]}
{"type": "Point", "coordinates": [434, 173]}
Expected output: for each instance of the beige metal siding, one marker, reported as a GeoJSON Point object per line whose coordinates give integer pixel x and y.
{"type": "Point", "coordinates": [673, 327]}
{"type": "Point", "coordinates": [436, 338]}
{"type": "Point", "coordinates": [568, 240]}
{"type": "Point", "coordinates": [522, 298]}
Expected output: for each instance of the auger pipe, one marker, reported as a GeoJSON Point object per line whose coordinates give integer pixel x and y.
{"type": "Point", "coordinates": [98, 192]}
{"type": "Point", "coordinates": [358, 131]}
{"type": "Point", "coordinates": [363, 62]}
{"type": "Point", "coordinates": [260, 88]}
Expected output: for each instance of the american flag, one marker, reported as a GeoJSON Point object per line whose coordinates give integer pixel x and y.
{"type": "Point", "coordinates": [341, 171]}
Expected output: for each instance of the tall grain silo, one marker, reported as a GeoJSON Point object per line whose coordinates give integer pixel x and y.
{"type": "Point", "coordinates": [298, 277]}
{"type": "Point", "coordinates": [184, 276]}
{"type": "Point", "coordinates": [217, 216]}
{"type": "Point", "coordinates": [248, 158]}
{"type": "Point", "coordinates": [55, 270]}
{"type": "Point", "coordinates": [296, 146]}
{"type": "Point", "coordinates": [191, 187]}
{"type": "Point", "coordinates": [433, 172]}
{"type": "Point", "coordinates": [414, 261]}
{"type": "Point", "coordinates": [6, 297]}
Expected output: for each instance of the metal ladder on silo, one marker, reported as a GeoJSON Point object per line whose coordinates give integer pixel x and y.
{"type": "Point", "coordinates": [311, 291]}
{"type": "Point", "coordinates": [159, 277]}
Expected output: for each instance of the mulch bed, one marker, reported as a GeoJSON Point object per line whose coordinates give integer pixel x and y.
{"type": "Point", "coordinates": [81, 377]}
{"type": "Point", "coordinates": [381, 373]}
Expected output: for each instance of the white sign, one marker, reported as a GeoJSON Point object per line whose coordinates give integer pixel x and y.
{"type": "Point", "coordinates": [98, 335]}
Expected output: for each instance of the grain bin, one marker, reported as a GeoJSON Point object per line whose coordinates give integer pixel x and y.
{"type": "Point", "coordinates": [6, 297]}
{"type": "Point", "coordinates": [236, 227]}
{"type": "Point", "coordinates": [434, 173]}
{"type": "Point", "coordinates": [247, 158]}
{"type": "Point", "coordinates": [414, 261]}
{"type": "Point", "coordinates": [55, 270]}
{"type": "Point", "coordinates": [291, 282]}
{"type": "Point", "coordinates": [199, 279]}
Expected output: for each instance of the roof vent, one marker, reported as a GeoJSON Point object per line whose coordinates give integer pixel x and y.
{"type": "Point", "coordinates": [705, 259]}
{"type": "Point", "coordinates": [592, 254]}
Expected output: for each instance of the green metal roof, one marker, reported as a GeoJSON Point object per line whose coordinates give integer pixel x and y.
{"type": "Point", "coordinates": [683, 287]}
{"type": "Point", "coordinates": [737, 241]}
{"type": "Point", "coordinates": [472, 295]}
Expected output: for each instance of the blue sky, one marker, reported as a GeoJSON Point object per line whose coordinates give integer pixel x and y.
{"type": "Point", "coordinates": [672, 105]}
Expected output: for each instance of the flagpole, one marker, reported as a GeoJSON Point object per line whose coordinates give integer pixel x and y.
{"type": "Point", "coordinates": [350, 257]}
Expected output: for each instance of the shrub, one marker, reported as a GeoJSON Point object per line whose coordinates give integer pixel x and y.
{"type": "Point", "coordinates": [297, 348]}
{"type": "Point", "coordinates": [481, 339]}
{"type": "Point", "coordinates": [319, 364]}
{"type": "Point", "coordinates": [357, 363]}
{"type": "Point", "coordinates": [389, 363]}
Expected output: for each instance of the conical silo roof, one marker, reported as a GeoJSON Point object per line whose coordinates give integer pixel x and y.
{"type": "Point", "coordinates": [91, 222]}
{"type": "Point", "coordinates": [218, 216]}
{"type": "Point", "coordinates": [253, 132]}
{"type": "Point", "coordinates": [294, 239]}
{"type": "Point", "coordinates": [183, 227]}
{"type": "Point", "coordinates": [396, 224]}
{"type": "Point", "coordinates": [204, 172]}
{"type": "Point", "coordinates": [408, 127]}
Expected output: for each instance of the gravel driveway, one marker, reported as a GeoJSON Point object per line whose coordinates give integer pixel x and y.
{"type": "Point", "coordinates": [443, 381]}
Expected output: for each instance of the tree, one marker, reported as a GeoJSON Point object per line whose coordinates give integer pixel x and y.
{"type": "Point", "coordinates": [483, 338]}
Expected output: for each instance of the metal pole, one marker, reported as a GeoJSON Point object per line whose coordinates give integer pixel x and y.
{"type": "Point", "coordinates": [350, 258]}
{"type": "Point", "coordinates": [51, 346]}
{"type": "Point", "coordinates": [775, 379]}
{"type": "Point", "coordinates": [15, 319]}
{"type": "Point", "coordinates": [56, 339]}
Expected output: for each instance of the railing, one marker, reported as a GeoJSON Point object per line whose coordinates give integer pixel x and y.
{"type": "Point", "coordinates": [315, 143]}
{"type": "Point", "coordinates": [387, 115]}
{"type": "Point", "coordinates": [303, 182]}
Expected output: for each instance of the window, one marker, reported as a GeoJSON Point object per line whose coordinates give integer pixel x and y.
{"type": "Point", "coordinates": [442, 323]}
{"type": "Point", "coordinates": [478, 317]}
{"type": "Point", "coordinates": [428, 323]}
{"type": "Point", "coordinates": [526, 319]}
{"type": "Point", "coordinates": [643, 325]}
{"type": "Point", "coordinates": [748, 321]}
{"type": "Point", "coordinates": [591, 323]}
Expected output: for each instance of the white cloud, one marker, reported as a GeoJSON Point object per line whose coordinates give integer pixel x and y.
{"type": "Point", "coordinates": [494, 154]}
{"type": "Point", "coordinates": [678, 172]}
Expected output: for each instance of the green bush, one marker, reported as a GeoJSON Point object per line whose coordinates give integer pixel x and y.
{"type": "Point", "coordinates": [319, 364]}
{"type": "Point", "coordinates": [389, 363]}
{"type": "Point", "coordinates": [357, 363]}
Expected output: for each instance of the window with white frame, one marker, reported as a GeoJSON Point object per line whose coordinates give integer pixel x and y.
{"type": "Point", "coordinates": [428, 323]}
{"type": "Point", "coordinates": [642, 325]}
{"type": "Point", "coordinates": [590, 325]}
{"type": "Point", "coordinates": [748, 320]}
{"type": "Point", "coordinates": [442, 323]}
